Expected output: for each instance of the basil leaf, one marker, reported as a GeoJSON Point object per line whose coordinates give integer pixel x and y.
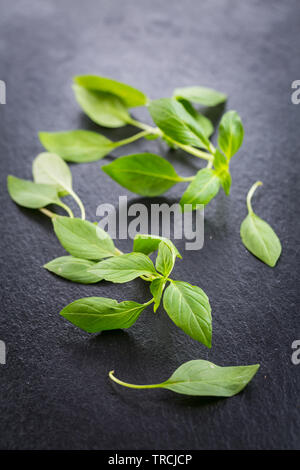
{"type": "Point", "coordinates": [77, 146]}
{"type": "Point", "coordinates": [131, 96]}
{"type": "Point", "coordinates": [258, 236]}
{"type": "Point", "coordinates": [188, 307]}
{"type": "Point", "coordinates": [203, 378]}
{"type": "Point", "coordinates": [30, 194]}
{"type": "Point", "coordinates": [103, 108]}
{"type": "Point", "coordinates": [173, 119]}
{"type": "Point", "coordinates": [73, 269]}
{"type": "Point", "coordinates": [165, 259]}
{"type": "Point", "coordinates": [143, 173]}
{"type": "Point", "coordinates": [201, 95]}
{"type": "Point", "coordinates": [95, 314]}
{"type": "Point", "coordinates": [49, 168]}
{"type": "Point", "coordinates": [124, 268]}
{"type": "Point", "coordinates": [202, 189]}
{"type": "Point", "coordinates": [147, 244]}
{"type": "Point", "coordinates": [156, 288]}
{"type": "Point", "coordinates": [231, 133]}
{"type": "Point", "coordinates": [83, 239]}
{"type": "Point", "coordinates": [204, 122]}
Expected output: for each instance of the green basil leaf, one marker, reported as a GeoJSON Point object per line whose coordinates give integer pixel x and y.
{"type": "Point", "coordinates": [147, 244]}
{"type": "Point", "coordinates": [220, 161]}
{"type": "Point", "coordinates": [173, 119]}
{"type": "Point", "coordinates": [30, 194]}
{"type": "Point", "coordinates": [258, 236]}
{"type": "Point", "coordinates": [202, 189]}
{"type": "Point", "coordinates": [124, 268]}
{"type": "Point", "coordinates": [103, 108]}
{"type": "Point", "coordinates": [205, 123]}
{"type": "Point", "coordinates": [49, 168]}
{"type": "Point", "coordinates": [73, 269]}
{"type": "Point", "coordinates": [156, 288]}
{"type": "Point", "coordinates": [165, 259]}
{"type": "Point", "coordinates": [201, 95]}
{"type": "Point", "coordinates": [188, 307]}
{"type": "Point", "coordinates": [83, 239]}
{"type": "Point", "coordinates": [203, 378]}
{"type": "Point", "coordinates": [77, 146]}
{"type": "Point", "coordinates": [231, 133]}
{"type": "Point", "coordinates": [95, 314]}
{"type": "Point", "coordinates": [129, 95]}
{"type": "Point", "coordinates": [143, 173]}
{"type": "Point", "coordinates": [225, 178]}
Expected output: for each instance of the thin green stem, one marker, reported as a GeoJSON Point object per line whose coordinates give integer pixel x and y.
{"type": "Point", "coordinates": [186, 178]}
{"type": "Point", "coordinates": [67, 208]}
{"type": "Point", "coordinates": [48, 213]}
{"type": "Point", "coordinates": [79, 202]}
{"type": "Point", "coordinates": [149, 302]}
{"type": "Point", "coordinates": [250, 194]}
{"type": "Point", "coordinates": [132, 138]}
{"type": "Point", "coordinates": [125, 384]}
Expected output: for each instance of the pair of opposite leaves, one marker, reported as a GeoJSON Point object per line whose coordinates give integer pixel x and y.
{"type": "Point", "coordinates": [187, 305]}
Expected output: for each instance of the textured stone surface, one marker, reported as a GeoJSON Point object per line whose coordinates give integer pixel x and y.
{"type": "Point", "coordinates": [54, 388]}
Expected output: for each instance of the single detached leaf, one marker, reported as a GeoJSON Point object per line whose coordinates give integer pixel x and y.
{"type": "Point", "coordinates": [143, 173]}
{"type": "Point", "coordinates": [201, 95]}
{"type": "Point", "coordinates": [156, 288]}
{"type": "Point", "coordinates": [77, 146]}
{"type": "Point", "coordinates": [202, 189]}
{"type": "Point", "coordinates": [73, 269]}
{"type": "Point", "coordinates": [103, 108]}
{"type": "Point", "coordinates": [177, 123]}
{"type": "Point", "coordinates": [95, 314]}
{"type": "Point", "coordinates": [204, 122]}
{"type": "Point", "coordinates": [188, 306]}
{"type": "Point", "coordinates": [83, 239]}
{"type": "Point", "coordinates": [129, 95]}
{"type": "Point", "coordinates": [231, 133]}
{"type": "Point", "coordinates": [165, 259]}
{"type": "Point", "coordinates": [147, 244]}
{"type": "Point", "coordinates": [49, 168]}
{"type": "Point", "coordinates": [124, 268]}
{"type": "Point", "coordinates": [30, 194]}
{"type": "Point", "coordinates": [203, 378]}
{"type": "Point", "coordinates": [258, 236]}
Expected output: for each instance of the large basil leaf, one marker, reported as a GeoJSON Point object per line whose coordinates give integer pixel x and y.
{"type": "Point", "coordinates": [73, 269]}
{"type": "Point", "coordinates": [30, 194]}
{"type": "Point", "coordinates": [202, 189]}
{"type": "Point", "coordinates": [201, 95]}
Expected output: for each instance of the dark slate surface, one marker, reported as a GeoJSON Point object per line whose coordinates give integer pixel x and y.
{"type": "Point", "coordinates": [55, 393]}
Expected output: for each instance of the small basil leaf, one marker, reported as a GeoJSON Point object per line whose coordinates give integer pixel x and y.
{"type": "Point", "coordinates": [165, 259]}
{"type": "Point", "coordinates": [49, 168]}
{"type": "Point", "coordinates": [144, 173]}
{"type": "Point", "coordinates": [103, 108]}
{"type": "Point", "coordinates": [204, 122]}
{"type": "Point", "coordinates": [124, 268]}
{"type": "Point", "coordinates": [95, 314]}
{"type": "Point", "coordinates": [203, 378]}
{"type": "Point", "coordinates": [129, 95]}
{"type": "Point", "coordinates": [201, 95]}
{"type": "Point", "coordinates": [173, 119]}
{"type": "Point", "coordinates": [73, 269]}
{"type": "Point", "coordinates": [77, 146]}
{"type": "Point", "coordinates": [258, 236]}
{"type": "Point", "coordinates": [231, 133]}
{"type": "Point", "coordinates": [188, 306]}
{"type": "Point", "coordinates": [156, 288]}
{"type": "Point", "coordinates": [30, 194]}
{"type": "Point", "coordinates": [83, 239]}
{"type": "Point", "coordinates": [202, 189]}
{"type": "Point", "coordinates": [147, 244]}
